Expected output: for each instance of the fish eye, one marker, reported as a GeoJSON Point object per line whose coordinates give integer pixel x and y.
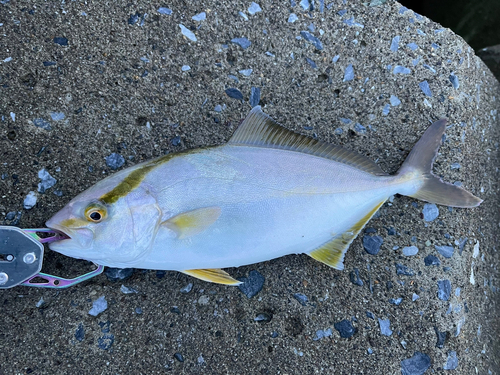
{"type": "Point", "coordinates": [95, 213]}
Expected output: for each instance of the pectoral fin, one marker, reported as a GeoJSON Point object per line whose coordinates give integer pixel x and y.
{"type": "Point", "coordinates": [214, 275]}
{"type": "Point", "coordinates": [193, 222]}
{"type": "Point", "coordinates": [332, 253]}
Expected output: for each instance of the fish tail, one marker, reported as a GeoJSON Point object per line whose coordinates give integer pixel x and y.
{"type": "Point", "coordinates": [418, 166]}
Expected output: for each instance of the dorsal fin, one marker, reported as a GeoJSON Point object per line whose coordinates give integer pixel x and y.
{"type": "Point", "coordinates": [260, 130]}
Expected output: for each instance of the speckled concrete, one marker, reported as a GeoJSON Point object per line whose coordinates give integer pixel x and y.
{"type": "Point", "coordinates": [120, 85]}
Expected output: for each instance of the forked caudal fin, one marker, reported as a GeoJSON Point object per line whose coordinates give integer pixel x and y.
{"type": "Point", "coordinates": [419, 165]}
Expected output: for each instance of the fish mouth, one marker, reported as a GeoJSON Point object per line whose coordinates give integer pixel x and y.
{"type": "Point", "coordinates": [67, 240]}
{"type": "Point", "coordinates": [58, 235]}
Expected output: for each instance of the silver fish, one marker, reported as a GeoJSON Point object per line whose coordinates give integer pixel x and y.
{"type": "Point", "coordinates": [268, 192]}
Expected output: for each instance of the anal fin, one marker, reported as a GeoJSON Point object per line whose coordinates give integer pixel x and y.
{"type": "Point", "coordinates": [213, 275]}
{"type": "Point", "coordinates": [332, 253]}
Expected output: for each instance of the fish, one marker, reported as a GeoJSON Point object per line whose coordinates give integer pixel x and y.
{"type": "Point", "coordinates": [266, 193]}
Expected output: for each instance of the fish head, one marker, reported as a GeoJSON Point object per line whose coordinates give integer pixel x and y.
{"type": "Point", "coordinates": [110, 232]}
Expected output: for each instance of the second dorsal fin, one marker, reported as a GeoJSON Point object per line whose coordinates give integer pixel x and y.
{"type": "Point", "coordinates": [260, 130]}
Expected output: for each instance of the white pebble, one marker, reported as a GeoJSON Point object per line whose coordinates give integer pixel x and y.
{"type": "Point", "coordinates": [188, 33]}
{"type": "Point", "coordinates": [30, 200]}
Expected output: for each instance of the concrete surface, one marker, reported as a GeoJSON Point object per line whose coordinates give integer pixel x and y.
{"type": "Point", "coordinates": [119, 83]}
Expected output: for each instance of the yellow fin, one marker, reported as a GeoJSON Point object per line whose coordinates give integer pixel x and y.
{"type": "Point", "coordinates": [260, 130]}
{"type": "Point", "coordinates": [214, 275]}
{"type": "Point", "coordinates": [193, 222]}
{"type": "Point", "coordinates": [332, 253]}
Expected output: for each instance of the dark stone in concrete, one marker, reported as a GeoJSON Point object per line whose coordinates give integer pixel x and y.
{"type": "Point", "coordinates": [345, 328]}
{"type": "Point", "coordinates": [252, 284]}
{"type": "Point", "coordinates": [118, 274]}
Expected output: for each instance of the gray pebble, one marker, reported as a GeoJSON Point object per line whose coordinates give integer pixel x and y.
{"type": "Point", "coordinates": [200, 17]}
{"type": "Point", "coordinates": [351, 22]}
{"type": "Point", "coordinates": [424, 86]}
{"type": "Point", "coordinates": [234, 93]}
{"type": "Point", "coordinates": [305, 4]}
{"type": "Point", "coordinates": [354, 277]}
{"type": "Point", "coordinates": [403, 270]}
{"type": "Point", "coordinates": [254, 8]}
{"type": "Point", "coordinates": [188, 33]}
{"type": "Point", "coordinates": [115, 161]}
{"type": "Point", "coordinates": [430, 211]}
{"type": "Point", "coordinates": [254, 96]}
{"type": "Point", "coordinates": [359, 128]}
{"type": "Point", "coordinates": [395, 43]}
{"type": "Point", "coordinates": [176, 141]}
{"type": "Point", "coordinates": [292, 18]}
{"type": "Point", "coordinates": [28, 203]}
{"type": "Point", "coordinates": [345, 328]}
{"type": "Point", "coordinates": [62, 41]}
{"type": "Point", "coordinates": [57, 116]}
{"type": "Point", "coordinates": [372, 244]}
{"type": "Point", "coordinates": [431, 260]}
{"type": "Point", "coordinates": [398, 69]}
{"type": "Point", "coordinates": [394, 101]}
{"type": "Point", "coordinates": [461, 245]}
{"type": "Point", "coordinates": [80, 332]}
{"type": "Point", "coordinates": [396, 301]}
{"type": "Point", "coordinates": [126, 290]}
{"type": "Point", "coordinates": [106, 341]}
{"type": "Point", "coordinates": [312, 39]}
{"type": "Point", "coordinates": [115, 274]}
{"type": "Point", "coordinates": [163, 10]}
{"type": "Point", "coordinates": [385, 326]}
{"type": "Point", "coordinates": [302, 298]}
{"type": "Point", "coordinates": [252, 284]}
{"type": "Point", "coordinates": [46, 181]}
{"type": "Point", "coordinates": [204, 300]}
{"type": "Point", "coordinates": [416, 365]}
{"type": "Point", "coordinates": [410, 250]}
{"type": "Point", "coordinates": [444, 290]}
{"type": "Point", "coordinates": [311, 62]}
{"type": "Point", "coordinates": [454, 81]}
{"type": "Point", "coordinates": [242, 42]}
{"type": "Point", "coordinates": [246, 72]}
{"type": "Point", "coordinates": [452, 361]}
{"type": "Point", "coordinates": [98, 306]}
{"type": "Point", "coordinates": [187, 288]}
{"type": "Point", "coordinates": [441, 338]}
{"type": "Point", "coordinates": [348, 73]}
{"type": "Point", "coordinates": [446, 251]}
{"type": "Point", "coordinates": [320, 334]}
{"type": "Point", "coordinates": [42, 123]}
{"type": "Point", "coordinates": [263, 318]}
